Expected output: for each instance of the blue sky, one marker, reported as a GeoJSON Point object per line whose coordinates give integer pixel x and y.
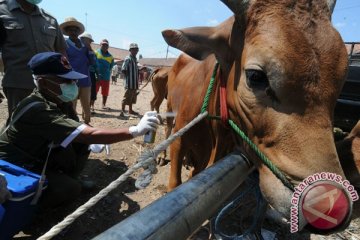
{"type": "Point", "coordinates": [141, 21]}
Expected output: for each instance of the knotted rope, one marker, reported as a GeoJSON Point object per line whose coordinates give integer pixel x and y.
{"type": "Point", "coordinates": [146, 160]}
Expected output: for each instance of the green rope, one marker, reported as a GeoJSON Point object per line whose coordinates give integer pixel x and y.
{"type": "Point", "coordinates": [262, 156]}
{"type": "Point", "coordinates": [210, 88]}
{"type": "Point", "coordinates": [252, 145]}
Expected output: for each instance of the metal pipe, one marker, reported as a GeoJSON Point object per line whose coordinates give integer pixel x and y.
{"type": "Point", "coordinates": [179, 213]}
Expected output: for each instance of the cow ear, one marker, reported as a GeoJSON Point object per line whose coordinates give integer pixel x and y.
{"type": "Point", "coordinates": [331, 4]}
{"type": "Point", "coordinates": [193, 41]}
{"type": "Point", "coordinates": [200, 42]}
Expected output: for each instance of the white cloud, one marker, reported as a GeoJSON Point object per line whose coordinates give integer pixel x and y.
{"type": "Point", "coordinates": [212, 22]}
{"type": "Point", "coordinates": [340, 24]}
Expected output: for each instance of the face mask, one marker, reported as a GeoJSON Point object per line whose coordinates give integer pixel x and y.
{"type": "Point", "coordinates": [35, 81]}
{"type": "Point", "coordinates": [69, 92]}
{"type": "Point", "coordinates": [34, 1]}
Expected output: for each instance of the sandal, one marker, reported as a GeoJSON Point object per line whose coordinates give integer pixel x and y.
{"type": "Point", "coordinates": [133, 113]}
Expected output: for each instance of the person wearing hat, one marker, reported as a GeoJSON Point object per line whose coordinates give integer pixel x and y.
{"type": "Point", "coordinates": [105, 62]}
{"type": "Point", "coordinates": [79, 57]}
{"type": "Point", "coordinates": [87, 39]}
{"type": "Point", "coordinates": [27, 30]}
{"type": "Point", "coordinates": [40, 131]}
{"type": "Point", "coordinates": [131, 72]}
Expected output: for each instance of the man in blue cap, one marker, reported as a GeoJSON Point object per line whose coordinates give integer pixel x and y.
{"type": "Point", "coordinates": [42, 129]}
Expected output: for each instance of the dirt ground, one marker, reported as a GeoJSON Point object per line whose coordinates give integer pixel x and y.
{"type": "Point", "coordinates": [125, 199]}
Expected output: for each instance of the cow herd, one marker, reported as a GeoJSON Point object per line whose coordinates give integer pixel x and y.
{"type": "Point", "coordinates": [282, 66]}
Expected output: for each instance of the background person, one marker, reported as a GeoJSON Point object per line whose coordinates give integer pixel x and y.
{"type": "Point", "coordinates": [29, 140]}
{"type": "Point", "coordinates": [114, 74]}
{"type": "Point", "coordinates": [87, 39]}
{"type": "Point", "coordinates": [28, 30]}
{"type": "Point", "coordinates": [131, 73]}
{"type": "Point", "coordinates": [80, 59]}
{"type": "Point", "coordinates": [105, 62]}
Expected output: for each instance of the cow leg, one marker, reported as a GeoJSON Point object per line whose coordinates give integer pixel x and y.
{"type": "Point", "coordinates": [155, 105]}
{"type": "Point", "coordinates": [157, 108]}
{"type": "Point", "coordinates": [177, 153]}
{"type": "Point", "coordinates": [198, 165]}
{"type": "Point", "coordinates": [202, 158]}
{"type": "Point", "coordinates": [199, 160]}
{"type": "Point", "coordinates": [159, 100]}
{"type": "Point", "coordinates": [161, 160]}
{"type": "Point", "coordinates": [152, 103]}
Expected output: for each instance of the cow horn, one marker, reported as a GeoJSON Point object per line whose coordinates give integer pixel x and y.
{"type": "Point", "coordinates": [331, 4]}
{"type": "Point", "coordinates": [238, 7]}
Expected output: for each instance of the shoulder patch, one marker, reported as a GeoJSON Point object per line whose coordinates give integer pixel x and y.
{"type": "Point", "coordinates": [44, 12]}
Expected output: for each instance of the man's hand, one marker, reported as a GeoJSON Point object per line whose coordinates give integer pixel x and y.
{"type": "Point", "coordinates": [149, 122]}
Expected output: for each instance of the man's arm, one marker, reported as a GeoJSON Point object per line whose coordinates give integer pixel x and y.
{"type": "Point", "coordinates": [112, 64]}
{"type": "Point", "coordinates": [90, 135]}
{"type": "Point", "coordinates": [124, 67]}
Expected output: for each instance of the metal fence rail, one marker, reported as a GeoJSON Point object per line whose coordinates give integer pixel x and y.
{"type": "Point", "coordinates": [179, 213]}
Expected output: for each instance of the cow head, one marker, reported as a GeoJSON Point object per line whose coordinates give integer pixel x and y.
{"type": "Point", "coordinates": [285, 65]}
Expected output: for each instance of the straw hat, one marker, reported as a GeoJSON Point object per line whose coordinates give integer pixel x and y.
{"type": "Point", "coordinates": [87, 35]}
{"type": "Point", "coordinates": [71, 22]}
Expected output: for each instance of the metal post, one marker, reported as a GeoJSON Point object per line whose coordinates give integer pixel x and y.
{"type": "Point", "coordinates": [179, 213]}
{"type": "Point", "coordinates": [86, 21]}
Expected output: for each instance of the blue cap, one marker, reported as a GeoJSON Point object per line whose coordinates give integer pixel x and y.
{"type": "Point", "coordinates": [53, 63]}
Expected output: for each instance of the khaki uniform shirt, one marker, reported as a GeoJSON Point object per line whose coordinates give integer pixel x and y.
{"type": "Point", "coordinates": [27, 35]}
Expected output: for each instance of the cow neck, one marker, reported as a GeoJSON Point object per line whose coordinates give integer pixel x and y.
{"type": "Point", "coordinates": [224, 114]}
{"type": "Point", "coordinates": [265, 160]}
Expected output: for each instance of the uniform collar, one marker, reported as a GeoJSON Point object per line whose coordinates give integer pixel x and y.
{"type": "Point", "coordinates": [13, 4]}
{"type": "Point", "coordinates": [73, 44]}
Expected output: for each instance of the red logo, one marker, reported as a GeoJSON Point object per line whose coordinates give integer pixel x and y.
{"type": "Point", "coordinates": [65, 63]}
{"type": "Point", "coordinates": [325, 205]}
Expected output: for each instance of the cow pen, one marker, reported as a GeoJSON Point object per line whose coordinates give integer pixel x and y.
{"type": "Point", "coordinates": [182, 211]}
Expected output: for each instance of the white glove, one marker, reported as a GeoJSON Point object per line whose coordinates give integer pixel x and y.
{"type": "Point", "coordinates": [96, 148]}
{"type": "Point", "coordinates": [149, 122]}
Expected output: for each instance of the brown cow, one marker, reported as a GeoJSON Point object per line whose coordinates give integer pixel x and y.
{"type": "Point", "coordinates": [284, 64]}
{"type": "Point", "coordinates": [159, 79]}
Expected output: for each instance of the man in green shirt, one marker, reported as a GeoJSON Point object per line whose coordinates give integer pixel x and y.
{"type": "Point", "coordinates": [49, 127]}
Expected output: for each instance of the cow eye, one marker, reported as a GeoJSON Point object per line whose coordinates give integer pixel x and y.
{"type": "Point", "coordinates": [256, 79]}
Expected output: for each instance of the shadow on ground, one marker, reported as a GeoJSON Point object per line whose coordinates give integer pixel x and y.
{"type": "Point", "coordinates": [107, 212]}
